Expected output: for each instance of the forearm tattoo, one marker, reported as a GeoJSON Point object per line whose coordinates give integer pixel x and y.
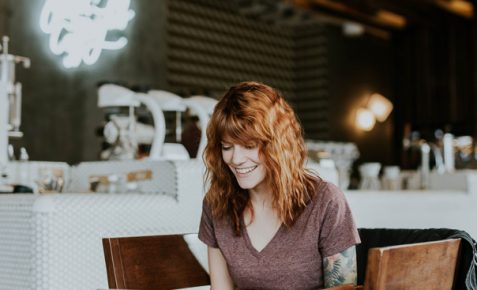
{"type": "Point", "coordinates": [340, 269]}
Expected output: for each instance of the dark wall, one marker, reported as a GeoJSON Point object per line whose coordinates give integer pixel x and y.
{"type": "Point", "coordinates": [59, 105]}
{"type": "Point", "coordinates": [437, 76]}
{"type": "Point", "coordinates": [359, 66]}
{"type": "Point", "coordinates": [427, 70]}
{"type": "Point", "coordinates": [436, 64]}
{"type": "Point", "coordinates": [312, 102]}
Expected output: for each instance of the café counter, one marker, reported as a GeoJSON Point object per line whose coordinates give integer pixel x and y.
{"type": "Point", "coordinates": [53, 241]}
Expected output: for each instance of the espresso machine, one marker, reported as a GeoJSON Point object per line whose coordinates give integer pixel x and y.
{"type": "Point", "coordinates": [123, 132]}
{"type": "Point", "coordinates": [10, 100]}
{"type": "Point", "coordinates": [120, 129]}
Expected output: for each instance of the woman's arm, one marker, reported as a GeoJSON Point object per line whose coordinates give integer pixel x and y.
{"type": "Point", "coordinates": [340, 269]}
{"type": "Point", "coordinates": [219, 273]}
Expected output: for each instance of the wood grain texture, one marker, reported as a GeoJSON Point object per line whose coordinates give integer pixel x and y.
{"type": "Point", "coordinates": [429, 265]}
{"type": "Point", "coordinates": [152, 262]}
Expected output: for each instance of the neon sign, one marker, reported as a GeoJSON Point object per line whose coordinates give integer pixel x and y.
{"type": "Point", "coordinates": [79, 29]}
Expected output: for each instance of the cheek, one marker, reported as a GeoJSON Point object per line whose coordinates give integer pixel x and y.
{"type": "Point", "coordinates": [261, 161]}
{"type": "Point", "coordinates": [259, 157]}
{"type": "Point", "coordinates": [226, 156]}
{"type": "Point", "coordinates": [256, 156]}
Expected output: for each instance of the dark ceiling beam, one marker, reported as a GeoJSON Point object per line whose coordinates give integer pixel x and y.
{"type": "Point", "coordinates": [329, 16]}
{"type": "Point", "coordinates": [424, 10]}
{"type": "Point", "coordinates": [459, 7]}
{"type": "Point", "coordinates": [388, 15]}
{"type": "Point", "coordinates": [410, 8]}
{"type": "Point", "coordinates": [379, 18]}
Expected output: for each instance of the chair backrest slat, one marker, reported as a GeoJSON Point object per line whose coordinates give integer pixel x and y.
{"type": "Point", "coordinates": [152, 262]}
{"type": "Point", "coordinates": [429, 265]}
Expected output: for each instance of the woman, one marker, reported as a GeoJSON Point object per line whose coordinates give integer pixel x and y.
{"type": "Point", "coordinates": [268, 222]}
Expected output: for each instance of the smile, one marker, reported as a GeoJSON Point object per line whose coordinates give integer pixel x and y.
{"type": "Point", "coordinates": [245, 170]}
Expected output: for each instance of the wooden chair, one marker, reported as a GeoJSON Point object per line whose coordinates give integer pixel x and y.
{"type": "Point", "coordinates": [152, 262]}
{"type": "Point", "coordinates": [166, 262]}
{"type": "Point", "coordinates": [428, 265]}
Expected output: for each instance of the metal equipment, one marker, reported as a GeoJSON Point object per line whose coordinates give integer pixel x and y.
{"type": "Point", "coordinates": [202, 107]}
{"type": "Point", "coordinates": [124, 132]}
{"type": "Point", "coordinates": [10, 98]}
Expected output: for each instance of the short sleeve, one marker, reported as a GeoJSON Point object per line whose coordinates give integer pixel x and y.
{"type": "Point", "coordinates": [206, 228]}
{"type": "Point", "coordinates": [338, 229]}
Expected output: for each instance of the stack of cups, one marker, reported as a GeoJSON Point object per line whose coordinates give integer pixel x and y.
{"type": "Point", "coordinates": [391, 178]}
{"type": "Point", "coordinates": [370, 176]}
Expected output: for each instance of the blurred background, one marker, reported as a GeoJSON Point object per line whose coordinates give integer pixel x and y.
{"type": "Point", "coordinates": [327, 57]}
{"type": "Point", "coordinates": [98, 96]}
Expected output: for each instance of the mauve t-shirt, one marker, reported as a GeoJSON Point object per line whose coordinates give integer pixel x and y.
{"type": "Point", "coordinates": [293, 258]}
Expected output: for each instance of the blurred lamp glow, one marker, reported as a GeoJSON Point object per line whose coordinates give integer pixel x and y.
{"type": "Point", "coordinates": [365, 119]}
{"type": "Point", "coordinates": [380, 106]}
{"type": "Point", "coordinates": [79, 29]}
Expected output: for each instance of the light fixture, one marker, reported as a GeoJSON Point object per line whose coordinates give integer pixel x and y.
{"type": "Point", "coordinates": [79, 29]}
{"type": "Point", "coordinates": [353, 29]}
{"type": "Point", "coordinates": [365, 119]}
{"type": "Point", "coordinates": [380, 106]}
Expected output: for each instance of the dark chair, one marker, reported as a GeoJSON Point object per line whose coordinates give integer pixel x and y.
{"type": "Point", "coordinates": [152, 262]}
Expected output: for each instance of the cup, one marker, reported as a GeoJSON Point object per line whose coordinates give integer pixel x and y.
{"type": "Point", "coordinates": [391, 178]}
{"type": "Point", "coordinates": [370, 176]}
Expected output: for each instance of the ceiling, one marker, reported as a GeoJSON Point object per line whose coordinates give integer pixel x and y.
{"type": "Point", "coordinates": [389, 14]}
{"type": "Point", "coordinates": [378, 17]}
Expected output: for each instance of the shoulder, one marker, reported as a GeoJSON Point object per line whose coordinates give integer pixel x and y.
{"type": "Point", "coordinates": [209, 215]}
{"type": "Point", "coordinates": [328, 200]}
{"type": "Point", "coordinates": [206, 209]}
{"type": "Point", "coordinates": [327, 192]}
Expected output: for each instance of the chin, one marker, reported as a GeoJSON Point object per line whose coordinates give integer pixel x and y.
{"type": "Point", "coordinates": [246, 185]}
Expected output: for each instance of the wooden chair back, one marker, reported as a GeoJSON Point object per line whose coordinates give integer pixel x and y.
{"type": "Point", "coordinates": [152, 262]}
{"type": "Point", "coordinates": [428, 265]}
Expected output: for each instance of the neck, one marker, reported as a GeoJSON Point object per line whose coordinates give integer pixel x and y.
{"type": "Point", "coordinates": [262, 198]}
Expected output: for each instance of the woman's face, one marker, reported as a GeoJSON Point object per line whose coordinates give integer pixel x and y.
{"type": "Point", "coordinates": [246, 164]}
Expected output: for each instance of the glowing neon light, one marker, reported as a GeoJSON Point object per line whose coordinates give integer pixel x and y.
{"type": "Point", "coordinates": [78, 29]}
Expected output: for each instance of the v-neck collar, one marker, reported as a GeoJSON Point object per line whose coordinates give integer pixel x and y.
{"type": "Point", "coordinates": [248, 242]}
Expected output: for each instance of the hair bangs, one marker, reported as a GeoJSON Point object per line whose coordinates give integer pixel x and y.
{"type": "Point", "coordinates": [237, 130]}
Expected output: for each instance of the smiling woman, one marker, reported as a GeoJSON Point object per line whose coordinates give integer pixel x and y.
{"type": "Point", "coordinates": [269, 223]}
{"type": "Point", "coordinates": [245, 164]}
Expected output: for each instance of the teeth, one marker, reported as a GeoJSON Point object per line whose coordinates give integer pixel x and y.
{"type": "Point", "coordinates": [245, 169]}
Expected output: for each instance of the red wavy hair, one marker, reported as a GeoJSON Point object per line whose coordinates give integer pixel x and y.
{"type": "Point", "coordinates": [252, 112]}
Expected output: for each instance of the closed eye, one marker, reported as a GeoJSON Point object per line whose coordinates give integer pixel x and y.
{"type": "Point", "coordinates": [226, 147]}
{"type": "Point", "coordinates": [251, 145]}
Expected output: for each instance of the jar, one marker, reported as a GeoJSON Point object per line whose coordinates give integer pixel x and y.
{"type": "Point", "coordinates": [370, 176]}
{"type": "Point", "coordinates": [391, 179]}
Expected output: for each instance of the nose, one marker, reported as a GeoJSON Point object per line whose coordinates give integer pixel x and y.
{"type": "Point", "coordinates": [238, 155]}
